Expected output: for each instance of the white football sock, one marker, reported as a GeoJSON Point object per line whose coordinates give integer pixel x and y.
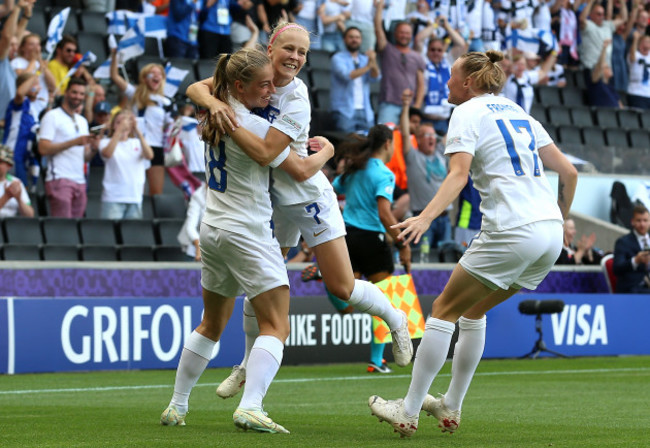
{"type": "Point", "coordinates": [429, 359]}
{"type": "Point", "coordinates": [263, 364]}
{"type": "Point", "coordinates": [194, 359]}
{"type": "Point", "coordinates": [251, 329]}
{"type": "Point", "coordinates": [467, 355]}
{"type": "Point", "coordinates": [368, 298]}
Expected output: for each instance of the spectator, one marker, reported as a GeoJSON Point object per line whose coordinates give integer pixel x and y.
{"type": "Point", "coordinates": [519, 86]}
{"type": "Point", "coordinates": [6, 8]}
{"type": "Point", "coordinates": [595, 30]}
{"type": "Point", "coordinates": [600, 91]}
{"type": "Point", "coordinates": [352, 73]}
{"type": "Point", "coordinates": [620, 70]}
{"type": "Point", "coordinates": [188, 237]}
{"type": "Point", "coordinates": [65, 57]}
{"type": "Point", "coordinates": [332, 15]}
{"type": "Point", "coordinates": [632, 255]}
{"type": "Point", "coordinates": [214, 32]}
{"type": "Point", "coordinates": [30, 60]}
{"type": "Point", "coordinates": [241, 13]}
{"type": "Point", "coordinates": [306, 14]}
{"type": "Point", "coordinates": [638, 91]}
{"type": "Point", "coordinates": [271, 12]}
{"type": "Point", "coordinates": [183, 28]}
{"type": "Point", "coordinates": [95, 94]}
{"type": "Point", "coordinates": [190, 141]}
{"type": "Point", "coordinates": [64, 139]}
{"type": "Point", "coordinates": [21, 121]}
{"type": "Point", "coordinates": [361, 16]}
{"type": "Point", "coordinates": [401, 68]}
{"type": "Point", "coordinates": [149, 103]}
{"type": "Point", "coordinates": [582, 252]}
{"type": "Point", "coordinates": [124, 155]}
{"type": "Point", "coordinates": [565, 26]}
{"type": "Point", "coordinates": [556, 76]}
{"type": "Point", "coordinates": [426, 168]}
{"type": "Point", "coordinates": [14, 199]}
{"type": "Point", "coordinates": [7, 74]}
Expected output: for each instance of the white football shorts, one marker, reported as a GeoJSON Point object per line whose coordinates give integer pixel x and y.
{"type": "Point", "coordinates": [233, 264]}
{"type": "Point", "coordinates": [318, 221]}
{"type": "Point", "coordinates": [519, 257]}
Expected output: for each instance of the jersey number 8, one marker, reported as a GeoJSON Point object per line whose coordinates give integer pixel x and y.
{"type": "Point", "coordinates": [218, 177]}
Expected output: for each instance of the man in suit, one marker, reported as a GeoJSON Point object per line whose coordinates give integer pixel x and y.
{"type": "Point", "coordinates": [632, 255]}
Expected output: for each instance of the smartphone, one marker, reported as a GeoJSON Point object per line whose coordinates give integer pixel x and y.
{"type": "Point", "coordinates": [97, 129]}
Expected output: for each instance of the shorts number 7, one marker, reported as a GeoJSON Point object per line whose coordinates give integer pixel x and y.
{"type": "Point", "coordinates": [518, 125]}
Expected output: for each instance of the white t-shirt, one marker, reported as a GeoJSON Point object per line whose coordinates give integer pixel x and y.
{"type": "Point", "coordinates": [527, 80]}
{"type": "Point", "coordinates": [156, 118]}
{"type": "Point", "coordinates": [57, 126]}
{"type": "Point", "coordinates": [10, 209]}
{"type": "Point", "coordinates": [638, 69]}
{"type": "Point", "coordinates": [192, 145]}
{"type": "Point", "coordinates": [42, 98]}
{"type": "Point", "coordinates": [508, 174]}
{"type": "Point", "coordinates": [238, 197]}
{"type": "Point", "coordinates": [124, 172]}
{"type": "Point", "coordinates": [290, 113]}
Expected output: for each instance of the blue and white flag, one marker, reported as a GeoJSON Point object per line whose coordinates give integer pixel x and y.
{"type": "Point", "coordinates": [120, 21]}
{"type": "Point", "coordinates": [537, 41]}
{"type": "Point", "coordinates": [104, 70]}
{"type": "Point", "coordinates": [155, 26]}
{"type": "Point", "coordinates": [175, 77]}
{"type": "Point", "coordinates": [131, 45]}
{"type": "Point", "coordinates": [55, 29]}
{"type": "Point", "coordinates": [88, 57]}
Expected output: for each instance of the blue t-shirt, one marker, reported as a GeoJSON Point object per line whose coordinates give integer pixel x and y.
{"type": "Point", "coordinates": [361, 190]}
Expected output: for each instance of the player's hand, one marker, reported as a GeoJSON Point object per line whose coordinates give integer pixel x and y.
{"type": "Point", "coordinates": [319, 143]}
{"type": "Point", "coordinates": [222, 116]}
{"type": "Point", "coordinates": [413, 229]}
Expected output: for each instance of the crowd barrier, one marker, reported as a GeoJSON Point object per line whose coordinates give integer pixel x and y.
{"type": "Point", "coordinates": [117, 317]}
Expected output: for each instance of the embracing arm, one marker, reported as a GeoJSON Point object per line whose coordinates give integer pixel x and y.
{"type": "Point", "coordinates": [262, 151]}
{"type": "Point", "coordinates": [455, 181]}
{"type": "Point", "coordinates": [201, 94]}
{"type": "Point", "coordinates": [302, 169]}
{"type": "Point", "coordinates": [553, 159]}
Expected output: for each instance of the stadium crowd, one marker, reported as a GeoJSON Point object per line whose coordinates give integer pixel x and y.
{"type": "Point", "coordinates": [67, 153]}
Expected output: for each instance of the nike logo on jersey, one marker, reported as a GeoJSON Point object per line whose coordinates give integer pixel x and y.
{"type": "Point", "coordinates": [319, 233]}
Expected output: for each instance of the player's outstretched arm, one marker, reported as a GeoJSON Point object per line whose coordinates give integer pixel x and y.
{"type": "Point", "coordinates": [553, 159]}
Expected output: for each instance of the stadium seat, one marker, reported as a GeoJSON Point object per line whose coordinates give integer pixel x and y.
{"type": "Point", "coordinates": [593, 137]}
{"type": "Point", "coordinates": [569, 134]}
{"type": "Point", "coordinates": [616, 137]}
{"type": "Point", "coordinates": [559, 115]}
{"type": "Point", "coordinates": [60, 231]}
{"type": "Point", "coordinates": [136, 253]}
{"type": "Point", "coordinates": [20, 252]}
{"type": "Point", "coordinates": [320, 78]}
{"type": "Point", "coordinates": [628, 119]}
{"type": "Point", "coordinates": [93, 21]}
{"type": "Point", "coordinates": [95, 179]}
{"type": "Point", "coordinates": [304, 76]}
{"type": "Point", "coordinates": [97, 232]}
{"type": "Point", "coordinates": [639, 138]}
{"type": "Point", "coordinates": [572, 97]}
{"type": "Point", "coordinates": [99, 253]}
{"type": "Point", "coordinates": [22, 231]}
{"type": "Point", "coordinates": [552, 131]}
{"type": "Point", "coordinates": [147, 207]}
{"type": "Point", "coordinates": [95, 42]}
{"type": "Point", "coordinates": [205, 68]}
{"type": "Point", "coordinates": [136, 232]}
{"type": "Point", "coordinates": [154, 47]}
{"type": "Point", "coordinates": [538, 112]}
{"type": "Point", "coordinates": [319, 59]}
{"type": "Point", "coordinates": [549, 96]}
{"type": "Point", "coordinates": [169, 206]}
{"type": "Point", "coordinates": [607, 265]}
{"type": "Point", "coordinates": [60, 252]}
{"type": "Point", "coordinates": [38, 24]}
{"type": "Point", "coordinates": [169, 253]}
{"type": "Point", "coordinates": [606, 118]}
{"type": "Point", "coordinates": [322, 98]}
{"type": "Point", "coordinates": [645, 120]}
{"type": "Point", "coordinates": [581, 116]}
{"type": "Point", "coordinates": [167, 231]}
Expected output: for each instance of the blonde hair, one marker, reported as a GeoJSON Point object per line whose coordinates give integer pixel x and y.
{"type": "Point", "coordinates": [489, 76]}
{"type": "Point", "coordinates": [114, 120]}
{"type": "Point", "coordinates": [283, 25]}
{"type": "Point", "coordinates": [141, 96]}
{"type": "Point", "coordinates": [243, 66]}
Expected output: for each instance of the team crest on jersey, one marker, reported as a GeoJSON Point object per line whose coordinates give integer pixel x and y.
{"type": "Point", "coordinates": [269, 113]}
{"type": "Point", "coordinates": [291, 122]}
{"type": "Point", "coordinates": [453, 141]}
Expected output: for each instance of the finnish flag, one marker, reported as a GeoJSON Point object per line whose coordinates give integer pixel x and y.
{"type": "Point", "coordinates": [155, 26]}
{"type": "Point", "coordinates": [55, 29]}
{"type": "Point", "coordinates": [132, 44]}
{"type": "Point", "coordinates": [175, 77]}
{"type": "Point", "coordinates": [104, 70]}
{"type": "Point", "coordinates": [88, 57]}
{"type": "Point", "coordinates": [120, 21]}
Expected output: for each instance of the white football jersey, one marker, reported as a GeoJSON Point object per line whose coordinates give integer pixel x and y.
{"type": "Point", "coordinates": [506, 169]}
{"type": "Point", "coordinates": [290, 113]}
{"type": "Point", "coordinates": [238, 197]}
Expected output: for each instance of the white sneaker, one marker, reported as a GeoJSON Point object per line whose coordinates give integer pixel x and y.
{"type": "Point", "coordinates": [171, 417]}
{"type": "Point", "coordinates": [392, 411]}
{"type": "Point", "coordinates": [233, 384]}
{"type": "Point", "coordinates": [448, 420]}
{"type": "Point", "coordinates": [257, 421]}
{"type": "Point", "coordinates": [402, 344]}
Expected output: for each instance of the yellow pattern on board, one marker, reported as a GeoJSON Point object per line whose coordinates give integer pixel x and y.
{"type": "Point", "coordinates": [400, 290]}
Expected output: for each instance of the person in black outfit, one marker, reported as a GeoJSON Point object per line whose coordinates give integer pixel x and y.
{"type": "Point", "coordinates": [632, 255]}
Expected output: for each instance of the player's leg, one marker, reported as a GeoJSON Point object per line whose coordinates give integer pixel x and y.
{"type": "Point", "coordinates": [272, 311]}
{"type": "Point", "coordinates": [196, 354]}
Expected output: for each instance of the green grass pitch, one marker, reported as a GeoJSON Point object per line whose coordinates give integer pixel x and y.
{"type": "Point", "coordinates": [582, 402]}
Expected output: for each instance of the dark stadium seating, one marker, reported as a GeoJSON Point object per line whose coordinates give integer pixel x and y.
{"type": "Point", "coordinates": [169, 206]}
{"type": "Point", "coordinates": [60, 231]}
{"type": "Point", "coordinates": [99, 253]}
{"type": "Point", "coordinates": [581, 116]}
{"type": "Point", "coordinates": [606, 118]}
{"type": "Point", "coordinates": [22, 231]}
{"type": "Point", "coordinates": [549, 96]}
{"type": "Point", "coordinates": [16, 252]}
{"type": "Point", "coordinates": [97, 232]}
{"type": "Point", "coordinates": [593, 137]}
{"type": "Point", "coordinates": [60, 252]}
{"type": "Point", "coordinates": [616, 137]}
{"type": "Point", "coordinates": [169, 253]}
{"type": "Point", "coordinates": [167, 231]}
{"type": "Point", "coordinates": [569, 134]}
{"type": "Point", "coordinates": [136, 232]}
{"type": "Point", "coordinates": [136, 253]}
{"type": "Point", "coordinates": [559, 115]}
{"type": "Point", "coordinates": [628, 119]}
